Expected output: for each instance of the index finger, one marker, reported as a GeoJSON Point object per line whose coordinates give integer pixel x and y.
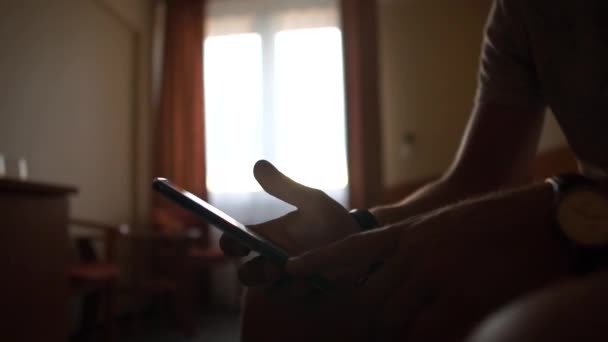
{"type": "Point", "coordinates": [282, 187]}
{"type": "Point", "coordinates": [356, 250]}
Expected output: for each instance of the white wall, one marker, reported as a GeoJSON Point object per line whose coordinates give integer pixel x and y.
{"type": "Point", "coordinates": [72, 101]}
{"type": "Point", "coordinates": [429, 53]}
{"type": "Point", "coordinates": [135, 12]}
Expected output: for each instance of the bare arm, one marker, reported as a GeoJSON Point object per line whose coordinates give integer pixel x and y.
{"type": "Point", "coordinates": [503, 133]}
{"type": "Point", "coordinates": [496, 151]}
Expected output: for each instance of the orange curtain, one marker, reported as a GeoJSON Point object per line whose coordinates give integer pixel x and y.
{"type": "Point", "coordinates": [360, 30]}
{"type": "Point", "coordinates": [179, 133]}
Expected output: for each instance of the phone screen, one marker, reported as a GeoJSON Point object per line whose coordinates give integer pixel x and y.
{"type": "Point", "coordinates": [221, 220]}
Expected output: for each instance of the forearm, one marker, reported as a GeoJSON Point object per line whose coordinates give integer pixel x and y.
{"type": "Point", "coordinates": [437, 194]}
{"type": "Point", "coordinates": [489, 159]}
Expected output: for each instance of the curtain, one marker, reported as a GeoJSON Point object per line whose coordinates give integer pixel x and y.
{"type": "Point", "coordinates": [179, 154]}
{"type": "Point", "coordinates": [360, 27]}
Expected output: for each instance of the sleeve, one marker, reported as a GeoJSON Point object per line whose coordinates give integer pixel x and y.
{"type": "Point", "coordinates": [507, 74]}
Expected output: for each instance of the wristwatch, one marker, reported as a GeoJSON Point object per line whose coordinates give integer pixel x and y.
{"type": "Point", "coordinates": [366, 221]}
{"type": "Point", "coordinates": [581, 212]}
{"type": "Point", "coordinates": [364, 218]}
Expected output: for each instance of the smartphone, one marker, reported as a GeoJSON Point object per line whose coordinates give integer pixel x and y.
{"type": "Point", "coordinates": [232, 227]}
{"type": "Point", "coordinates": [222, 221]}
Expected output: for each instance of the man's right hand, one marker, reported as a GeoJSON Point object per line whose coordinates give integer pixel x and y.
{"type": "Point", "coordinates": [317, 221]}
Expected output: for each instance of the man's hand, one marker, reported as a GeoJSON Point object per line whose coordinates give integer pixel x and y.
{"type": "Point", "coordinates": [318, 220]}
{"type": "Point", "coordinates": [444, 271]}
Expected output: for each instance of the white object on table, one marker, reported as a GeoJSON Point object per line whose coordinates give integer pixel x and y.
{"type": "Point", "coordinates": [22, 168]}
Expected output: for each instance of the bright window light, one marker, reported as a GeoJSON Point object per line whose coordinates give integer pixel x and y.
{"type": "Point", "coordinates": [284, 103]}
{"type": "Point", "coordinates": [233, 108]}
{"type": "Point", "coordinates": [309, 106]}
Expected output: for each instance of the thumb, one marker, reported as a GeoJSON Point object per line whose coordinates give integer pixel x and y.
{"type": "Point", "coordinates": [361, 249]}
{"type": "Point", "coordinates": [282, 187]}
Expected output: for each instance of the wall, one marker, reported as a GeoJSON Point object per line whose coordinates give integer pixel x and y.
{"type": "Point", "coordinates": [429, 52]}
{"type": "Point", "coordinates": [135, 13]}
{"type": "Point", "coordinates": [73, 99]}
{"type": "Point", "coordinates": [137, 17]}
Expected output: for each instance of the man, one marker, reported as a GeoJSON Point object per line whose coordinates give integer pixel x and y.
{"type": "Point", "coordinates": [462, 246]}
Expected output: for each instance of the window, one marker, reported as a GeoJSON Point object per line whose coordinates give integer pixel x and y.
{"type": "Point", "coordinates": [233, 78]}
{"type": "Point", "coordinates": [274, 89]}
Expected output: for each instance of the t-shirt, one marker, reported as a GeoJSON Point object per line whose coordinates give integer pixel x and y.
{"type": "Point", "coordinates": [539, 53]}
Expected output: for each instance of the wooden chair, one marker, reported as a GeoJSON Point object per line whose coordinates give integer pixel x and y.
{"type": "Point", "coordinates": [168, 266]}
{"type": "Point", "coordinates": [95, 278]}
{"type": "Point", "coordinates": [162, 271]}
{"type": "Point", "coordinates": [174, 256]}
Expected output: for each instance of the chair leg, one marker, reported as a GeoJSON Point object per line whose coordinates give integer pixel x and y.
{"type": "Point", "coordinates": [183, 302]}
{"type": "Point", "coordinates": [183, 296]}
{"type": "Point", "coordinates": [88, 319]}
{"type": "Point", "coordinates": [109, 318]}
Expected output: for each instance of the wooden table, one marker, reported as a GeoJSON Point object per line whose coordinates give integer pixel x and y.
{"type": "Point", "coordinates": [34, 263]}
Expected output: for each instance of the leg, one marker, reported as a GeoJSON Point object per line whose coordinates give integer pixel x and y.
{"type": "Point", "coordinates": [110, 328]}
{"type": "Point", "coordinates": [273, 317]}
{"type": "Point", "coordinates": [574, 310]}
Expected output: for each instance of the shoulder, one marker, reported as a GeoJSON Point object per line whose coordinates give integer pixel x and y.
{"type": "Point", "coordinates": [507, 15]}
{"type": "Point", "coordinates": [507, 68]}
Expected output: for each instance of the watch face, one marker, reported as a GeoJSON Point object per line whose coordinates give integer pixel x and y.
{"type": "Point", "coordinates": [583, 217]}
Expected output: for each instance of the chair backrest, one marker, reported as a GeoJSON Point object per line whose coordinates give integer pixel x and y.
{"type": "Point", "coordinates": [85, 246]}
{"type": "Point", "coordinates": [85, 250]}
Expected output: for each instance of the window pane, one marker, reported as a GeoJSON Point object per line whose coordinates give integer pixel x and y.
{"type": "Point", "coordinates": [309, 106]}
{"type": "Point", "coordinates": [233, 108]}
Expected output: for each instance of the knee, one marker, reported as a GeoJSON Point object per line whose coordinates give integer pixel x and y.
{"type": "Point", "coordinates": [570, 311]}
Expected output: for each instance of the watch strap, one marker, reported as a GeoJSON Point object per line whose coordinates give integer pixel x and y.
{"type": "Point", "coordinates": [564, 182]}
{"type": "Point", "coordinates": [364, 218]}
